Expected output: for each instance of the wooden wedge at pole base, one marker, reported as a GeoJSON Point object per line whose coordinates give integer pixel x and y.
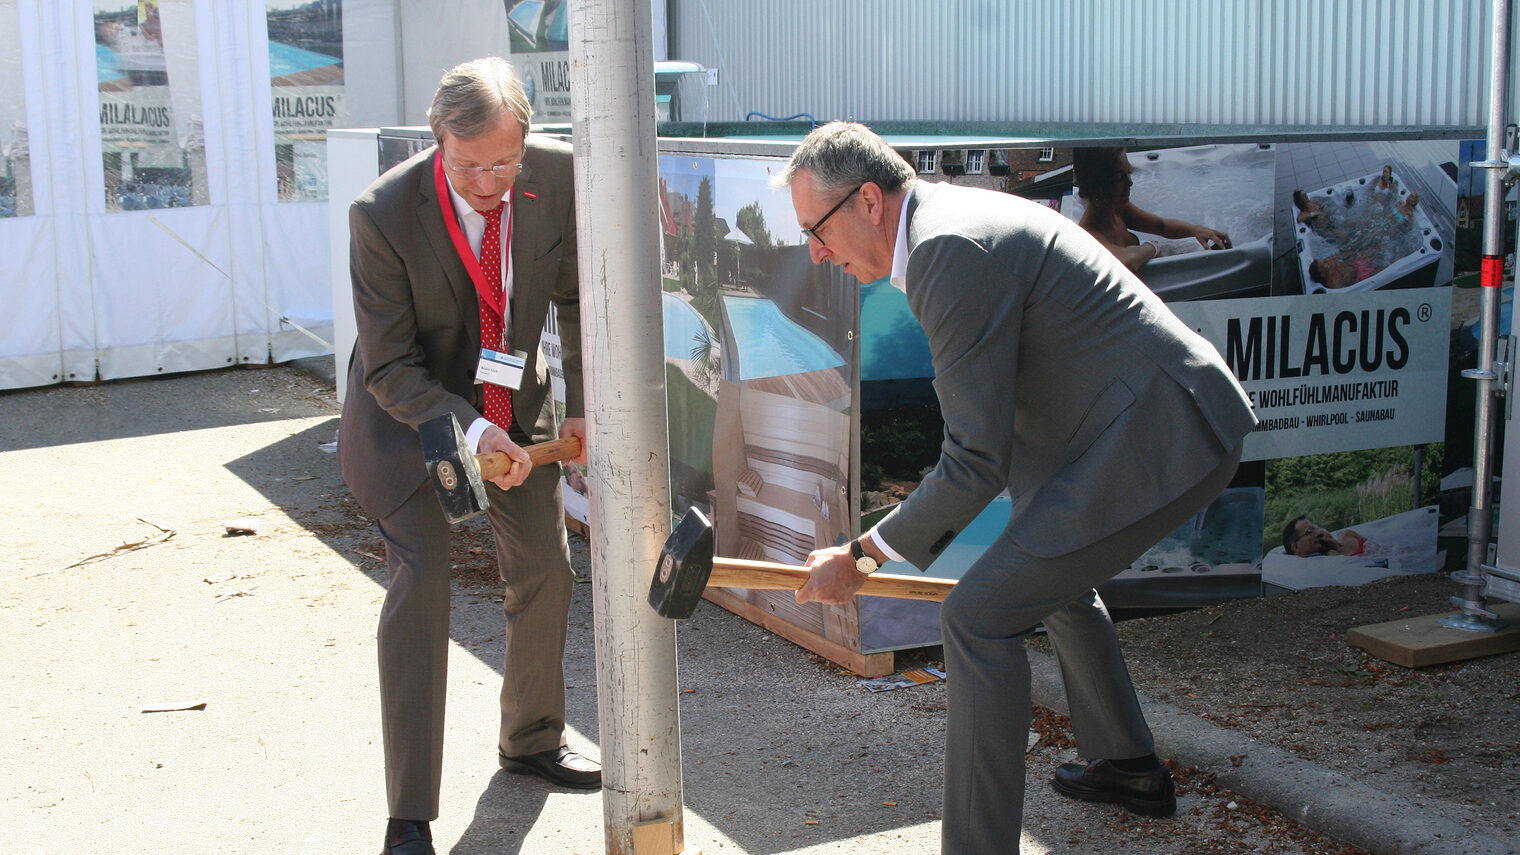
{"type": "Point", "coordinates": [655, 837]}
{"type": "Point", "coordinates": [1422, 641]}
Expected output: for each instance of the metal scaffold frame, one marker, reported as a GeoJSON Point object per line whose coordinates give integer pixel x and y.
{"type": "Point", "coordinates": [1492, 374]}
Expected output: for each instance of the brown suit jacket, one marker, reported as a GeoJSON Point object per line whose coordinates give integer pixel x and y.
{"type": "Point", "coordinates": [418, 318]}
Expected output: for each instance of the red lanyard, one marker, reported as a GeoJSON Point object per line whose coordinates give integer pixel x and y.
{"type": "Point", "coordinates": [492, 296]}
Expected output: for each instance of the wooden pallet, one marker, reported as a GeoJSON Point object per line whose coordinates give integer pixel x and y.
{"type": "Point", "coordinates": [1421, 641]}
{"type": "Point", "coordinates": [772, 614]}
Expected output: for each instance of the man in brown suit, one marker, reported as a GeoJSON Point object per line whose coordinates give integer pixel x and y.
{"type": "Point", "coordinates": [423, 291]}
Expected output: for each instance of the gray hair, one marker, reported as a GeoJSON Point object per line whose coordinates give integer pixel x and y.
{"type": "Point", "coordinates": [474, 97]}
{"type": "Point", "coordinates": [842, 155]}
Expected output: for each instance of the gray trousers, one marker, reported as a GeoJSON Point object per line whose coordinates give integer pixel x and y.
{"type": "Point", "coordinates": [1001, 598]}
{"type": "Point", "coordinates": [528, 523]}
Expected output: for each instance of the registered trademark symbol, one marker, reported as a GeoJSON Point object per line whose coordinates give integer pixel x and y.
{"type": "Point", "coordinates": [1424, 312]}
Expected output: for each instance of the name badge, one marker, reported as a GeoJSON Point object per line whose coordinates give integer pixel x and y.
{"type": "Point", "coordinates": [500, 368]}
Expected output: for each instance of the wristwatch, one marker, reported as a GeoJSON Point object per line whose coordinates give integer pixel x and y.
{"type": "Point", "coordinates": [863, 562]}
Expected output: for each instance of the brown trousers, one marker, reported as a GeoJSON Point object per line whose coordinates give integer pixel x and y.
{"type": "Point", "coordinates": [528, 523]}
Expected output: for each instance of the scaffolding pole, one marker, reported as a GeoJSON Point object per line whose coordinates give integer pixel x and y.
{"type": "Point", "coordinates": [617, 218]}
{"type": "Point", "coordinates": [1474, 614]}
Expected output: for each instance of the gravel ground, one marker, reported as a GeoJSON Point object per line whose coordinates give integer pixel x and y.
{"type": "Point", "coordinates": [105, 611]}
{"type": "Point", "coordinates": [1280, 671]}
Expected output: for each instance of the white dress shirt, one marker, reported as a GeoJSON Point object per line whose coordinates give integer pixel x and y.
{"type": "Point", "coordinates": [473, 224]}
{"type": "Point", "coordinates": [899, 279]}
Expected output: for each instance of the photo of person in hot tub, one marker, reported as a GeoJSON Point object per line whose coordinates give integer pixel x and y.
{"type": "Point", "coordinates": [1320, 216]}
{"type": "Point", "coordinates": [1403, 211]}
{"type": "Point", "coordinates": [1365, 215]}
{"type": "Point", "coordinates": [1342, 269]}
{"type": "Point", "coordinates": [1103, 181]}
{"type": "Point", "coordinates": [1303, 538]}
{"type": "Point", "coordinates": [1362, 255]}
{"type": "Point", "coordinates": [1317, 216]}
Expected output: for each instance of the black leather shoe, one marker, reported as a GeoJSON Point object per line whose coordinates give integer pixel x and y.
{"type": "Point", "coordinates": [408, 837]}
{"type": "Point", "coordinates": [1146, 793]}
{"type": "Point", "coordinates": [557, 766]}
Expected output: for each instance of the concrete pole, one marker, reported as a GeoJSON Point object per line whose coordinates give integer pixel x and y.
{"type": "Point", "coordinates": [617, 222]}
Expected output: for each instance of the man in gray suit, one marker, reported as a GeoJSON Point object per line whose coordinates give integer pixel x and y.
{"type": "Point", "coordinates": [476, 233]}
{"type": "Point", "coordinates": [1064, 381]}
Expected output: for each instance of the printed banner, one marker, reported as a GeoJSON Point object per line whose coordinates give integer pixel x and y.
{"type": "Point", "coordinates": [15, 149]}
{"type": "Point", "coordinates": [306, 110]}
{"type": "Point", "coordinates": [541, 55]}
{"type": "Point", "coordinates": [307, 86]}
{"type": "Point", "coordinates": [140, 116]}
{"type": "Point", "coordinates": [1330, 375]}
{"type": "Point", "coordinates": [147, 71]}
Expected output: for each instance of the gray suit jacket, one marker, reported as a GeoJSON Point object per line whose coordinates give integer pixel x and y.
{"type": "Point", "coordinates": [1060, 377]}
{"type": "Point", "coordinates": [418, 318]}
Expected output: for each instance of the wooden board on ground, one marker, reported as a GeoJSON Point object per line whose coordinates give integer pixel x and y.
{"type": "Point", "coordinates": [864, 664]}
{"type": "Point", "coordinates": [1421, 641]}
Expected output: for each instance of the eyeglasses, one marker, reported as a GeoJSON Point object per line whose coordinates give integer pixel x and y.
{"type": "Point", "coordinates": [812, 232]}
{"type": "Point", "coordinates": [1312, 532]}
{"type": "Point", "coordinates": [500, 170]}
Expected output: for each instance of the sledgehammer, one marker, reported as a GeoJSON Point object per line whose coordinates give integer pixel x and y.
{"type": "Point", "coordinates": [687, 566]}
{"type": "Point", "coordinates": [460, 477]}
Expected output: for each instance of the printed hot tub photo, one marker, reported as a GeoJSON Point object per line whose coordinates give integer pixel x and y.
{"type": "Point", "coordinates": [1364, 234]}
{"type": "Point", "coordinates": [1226, 188]}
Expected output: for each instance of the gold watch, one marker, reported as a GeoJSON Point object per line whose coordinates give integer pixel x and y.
{"type": "Point", "coordinates": [863, 562]}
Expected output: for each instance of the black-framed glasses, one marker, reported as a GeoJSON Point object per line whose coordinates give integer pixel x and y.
{"type": "Point", "coordinates": [812, 231]}
{"type": "Point", "coordinates": [1313, 531]}
{"type": "Point", "coordinates": [500, 170]}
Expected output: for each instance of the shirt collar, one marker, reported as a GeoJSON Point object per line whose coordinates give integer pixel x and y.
{"type": "Point", "coordinates": [900, 250]}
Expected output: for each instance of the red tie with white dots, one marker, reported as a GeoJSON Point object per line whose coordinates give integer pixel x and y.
{"type": "Point", "coordinates": [498, 399]}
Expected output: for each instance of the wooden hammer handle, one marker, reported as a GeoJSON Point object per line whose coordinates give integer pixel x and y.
{"type": "Point", "coordinates": [763, 575]}
{"type": "Point", "coordinates": [496, 463]}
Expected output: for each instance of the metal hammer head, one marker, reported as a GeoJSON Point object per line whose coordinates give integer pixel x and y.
{"type": "Point", "coordinates": [685, 563]}
{"type": "Point", "coordinates": [452, 468]}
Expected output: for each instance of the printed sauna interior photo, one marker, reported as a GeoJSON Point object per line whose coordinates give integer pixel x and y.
{"type": "Point", "coordinates": [781, 461]}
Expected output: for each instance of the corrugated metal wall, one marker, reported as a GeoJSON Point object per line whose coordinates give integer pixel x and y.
{"type": "Point", "coordinates": [1272, 62]}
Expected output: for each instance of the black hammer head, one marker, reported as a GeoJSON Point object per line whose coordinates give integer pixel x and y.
{"type": "Point", "coordinates": [685, 563]}
{"type": "Point", "coordinates": [452, 468]}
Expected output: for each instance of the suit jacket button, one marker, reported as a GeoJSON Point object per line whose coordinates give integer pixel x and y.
{"type": "Point", "coordinates": [944, 541]}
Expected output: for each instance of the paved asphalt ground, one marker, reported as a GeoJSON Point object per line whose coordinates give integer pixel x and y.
{"type": "Point", "coordinates": [104, 613]}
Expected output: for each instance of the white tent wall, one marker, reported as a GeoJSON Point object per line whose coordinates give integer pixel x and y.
{"type": "Point", "coordinates": [372, 62]}
{"type": "Point", "coordinates": [247, 153]}
{"type": "Point", "coordinates": [92, 292]}
{"type": "Point", "coordinates": [58, 176]}
{"type": "Point", "coordinates": [156, 306]}
{"type": "Point", "coordinates": [31, 325]}
{"type": "Point", "coordinates": [439, 34]}
{"type": "Point", "coordinates": [281, 244]}
{"type": "Point", "coordinates": [97, 293]}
